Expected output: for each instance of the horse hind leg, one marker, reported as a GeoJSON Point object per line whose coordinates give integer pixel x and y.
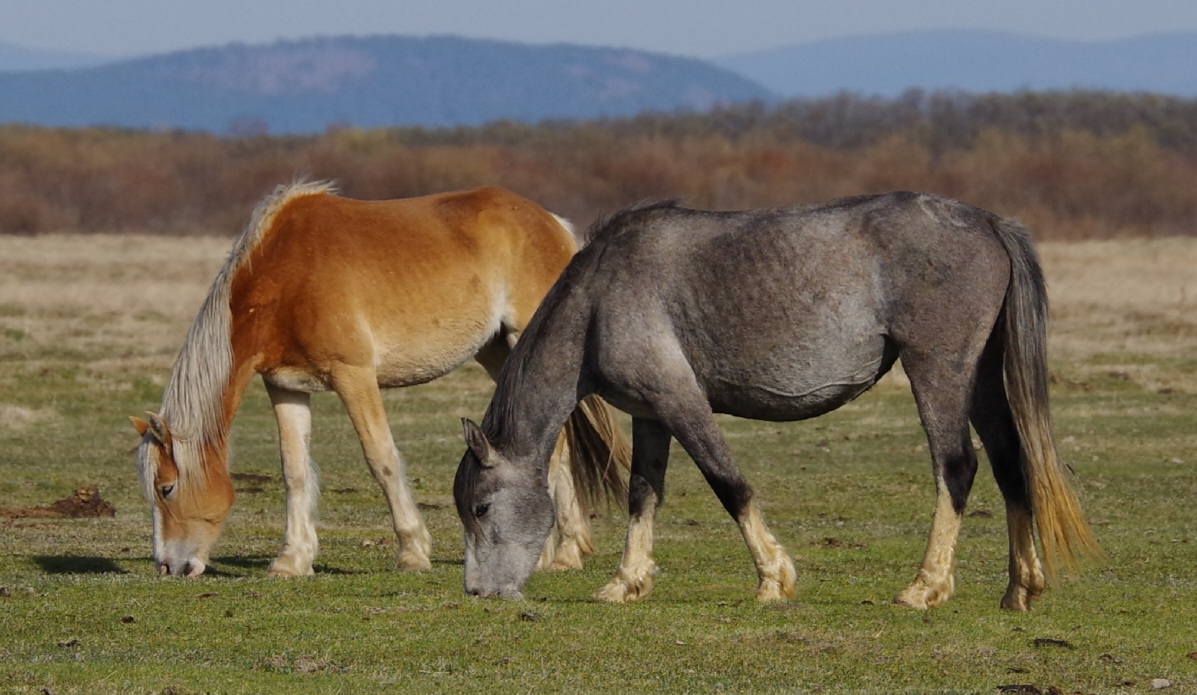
{"type": "Point", "coordinates": [293, 412]}
{"type": "Point", "coordinates": [358, 390]}
{"type": "Point", "coordinates": [942, 405]}
{"type": "Point", "coordinates": [994, 423]}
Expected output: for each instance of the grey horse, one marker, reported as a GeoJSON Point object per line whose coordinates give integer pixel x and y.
{"type": "Point", "coordinates": [673, 314]}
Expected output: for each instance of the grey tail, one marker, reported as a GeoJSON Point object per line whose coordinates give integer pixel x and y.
{"type": "Point", "coordinates": [1064, 533]}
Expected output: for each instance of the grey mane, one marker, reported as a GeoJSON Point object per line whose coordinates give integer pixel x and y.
{"type": "Point", "coordinates": [620, 219]}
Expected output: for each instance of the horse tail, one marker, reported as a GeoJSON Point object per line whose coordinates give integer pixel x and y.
{"type": "Point", "coordinates": [1063, 531]}
{"type": "Point", "coordinates": [599, 452]}
{"type": "Point", "coordinates": [575, 237]}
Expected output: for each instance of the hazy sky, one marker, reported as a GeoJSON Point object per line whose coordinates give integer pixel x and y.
{"type": "Point", "coordinates": [699, 28]}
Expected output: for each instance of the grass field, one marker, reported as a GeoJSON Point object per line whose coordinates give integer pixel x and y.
{"type": "Point", "coordinates": [89, 326]}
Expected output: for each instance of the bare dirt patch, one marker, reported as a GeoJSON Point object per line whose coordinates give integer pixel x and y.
{"type": "Point", "coordinates": [84, 503]}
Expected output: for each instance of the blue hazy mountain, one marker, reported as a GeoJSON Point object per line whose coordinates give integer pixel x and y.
{"type": "Point", "coordinates": [308, 85]}
{"type": "Point", "coordinates": [973, 61]}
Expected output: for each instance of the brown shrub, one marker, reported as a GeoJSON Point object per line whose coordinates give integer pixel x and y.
{"type": "Point", "coordinates": [1072, 165]}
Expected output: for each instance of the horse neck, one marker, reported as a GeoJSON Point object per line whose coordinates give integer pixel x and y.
{"type": "Point", "coordinates": [539, 387]}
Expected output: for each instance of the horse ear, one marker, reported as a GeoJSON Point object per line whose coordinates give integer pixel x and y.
{"type": "Point", "coordinates": [141, 425]}
{"type": "Point", "coordinates": [158, 429]}
{"type": "Point", "coordinates": [476, 441]}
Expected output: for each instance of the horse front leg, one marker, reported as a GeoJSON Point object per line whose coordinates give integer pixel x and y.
{"type": "Point", "coordinates": [774, 566]}
{"type": "Point", "coordinates": [292, 410]}
{"type": "Point", "coordinates": [646, 489]}
{"type": "Point", "coordinates": [358, 389]}
{"type": "Point", "coordinates": [702, 439]}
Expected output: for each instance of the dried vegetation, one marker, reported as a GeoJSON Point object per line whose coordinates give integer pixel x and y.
{"type": "Point", "coordinates": [1073, 165]}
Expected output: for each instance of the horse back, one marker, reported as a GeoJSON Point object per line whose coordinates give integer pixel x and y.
{"type": "Point", "coordinates": [414, 286]}
{"type": "Point", "coordinates": [787, 313]}
{"type": "Point", "coordinates": [884, 254]}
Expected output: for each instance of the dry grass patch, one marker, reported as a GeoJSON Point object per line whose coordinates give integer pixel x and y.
{"type": "Point", "coordinates": [1133, 296]}
{"type": "Point", "coordinates": [89, 327]}
{"type": "Point", "coordinates": [14, 417]}
{"type": "Point", "coordinates": [103, 294]}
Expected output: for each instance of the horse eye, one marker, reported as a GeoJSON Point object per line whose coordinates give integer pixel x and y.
{"type": "Point", "coordinates": [165, 490]}
{"type": "Point", "coordinates": [481, 510]}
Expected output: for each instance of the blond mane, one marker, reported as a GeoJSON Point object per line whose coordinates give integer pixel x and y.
{"type": "Point", "coordinates": [192, 404]}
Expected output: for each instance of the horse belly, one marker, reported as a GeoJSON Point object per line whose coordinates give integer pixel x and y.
{"type": "Point", "coordinates": [402, 347]}
{"type": "Point", "coordinates": [411, 367]}
{"type": "Point", "coordinates": [395, 366]}
{"type": "Point", "coordinates": [780, 391]}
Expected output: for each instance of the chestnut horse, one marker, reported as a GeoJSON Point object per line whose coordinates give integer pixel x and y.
{"type": "Point", "coordinates": [323, 293]}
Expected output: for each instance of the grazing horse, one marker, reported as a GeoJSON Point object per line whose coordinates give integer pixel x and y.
{"type": "Point", "coordinates": [780, 314]}
{"type": "Point", "coordinates": [323, 293]}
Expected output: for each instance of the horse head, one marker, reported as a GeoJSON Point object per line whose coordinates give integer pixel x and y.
{"type": "Point", "coordinates": [189, 497]}
{"type": "Point", "coordinates": [507, 513]}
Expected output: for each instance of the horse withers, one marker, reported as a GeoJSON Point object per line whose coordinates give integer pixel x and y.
{"type": "Point", "coordinates": [674, 314]}
{"type": "Point", "coordinates": [323, 293]}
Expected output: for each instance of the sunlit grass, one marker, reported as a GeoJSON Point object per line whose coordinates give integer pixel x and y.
{"type": "Point", "coordinates": [850, 495]}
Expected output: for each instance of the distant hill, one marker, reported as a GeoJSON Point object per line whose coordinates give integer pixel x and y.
{"type": "Point", "coordinates": [304, 86]}
{"type": "Point", "coordinates": [14, 57]}
{"type": "Point", "coordinates": [974, 61]}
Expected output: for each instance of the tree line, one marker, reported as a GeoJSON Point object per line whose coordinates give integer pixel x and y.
{"type": "Point", "coordinates": [1071, 164]}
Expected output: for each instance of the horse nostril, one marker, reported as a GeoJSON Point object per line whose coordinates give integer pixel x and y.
{"type": "Point", "coordinates": [163, 569]}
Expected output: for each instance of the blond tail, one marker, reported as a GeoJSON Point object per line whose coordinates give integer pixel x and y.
{"type": "Point", "coordinates": [599, 453]}
{"type": "Point", "coordinates": [1063, 531]}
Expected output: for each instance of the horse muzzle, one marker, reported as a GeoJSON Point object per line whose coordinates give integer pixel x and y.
{"type": "Point", "coordinates": [507, 594]}
{"type": "Point", "coordinates": [190, 568]}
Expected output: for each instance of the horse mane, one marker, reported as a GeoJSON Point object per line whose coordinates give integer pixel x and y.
{"type": "Point", "coordinates": [501, 417]}
{"type": "Point", "coordinates": [192, 404]}
{"type": "Point", "coordinates": [608, 224]}
{"type": "Point", "coordinates": [598, 450]}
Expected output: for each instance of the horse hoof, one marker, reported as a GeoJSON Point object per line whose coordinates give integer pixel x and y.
{"type": "Point", "coordinates": [1018, 599]}
{"type": "Point", "coordinates": [619, 592]}
{"type": "Point", "coordinates": [412, 561]}
{"type": "Point", "coordinates": [286, 570]}
{"type": "Point", "coordinates": [772, 592]}
{"type": "Point", "coordinates": [566, 559]}
{"type": "Point", "coordinates": [779, 584]}
{"type": "Point", "coordinates": [918, 598]}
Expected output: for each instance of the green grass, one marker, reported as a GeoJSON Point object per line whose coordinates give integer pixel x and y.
{"type": "Point", "coordinates": [850, 495]}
